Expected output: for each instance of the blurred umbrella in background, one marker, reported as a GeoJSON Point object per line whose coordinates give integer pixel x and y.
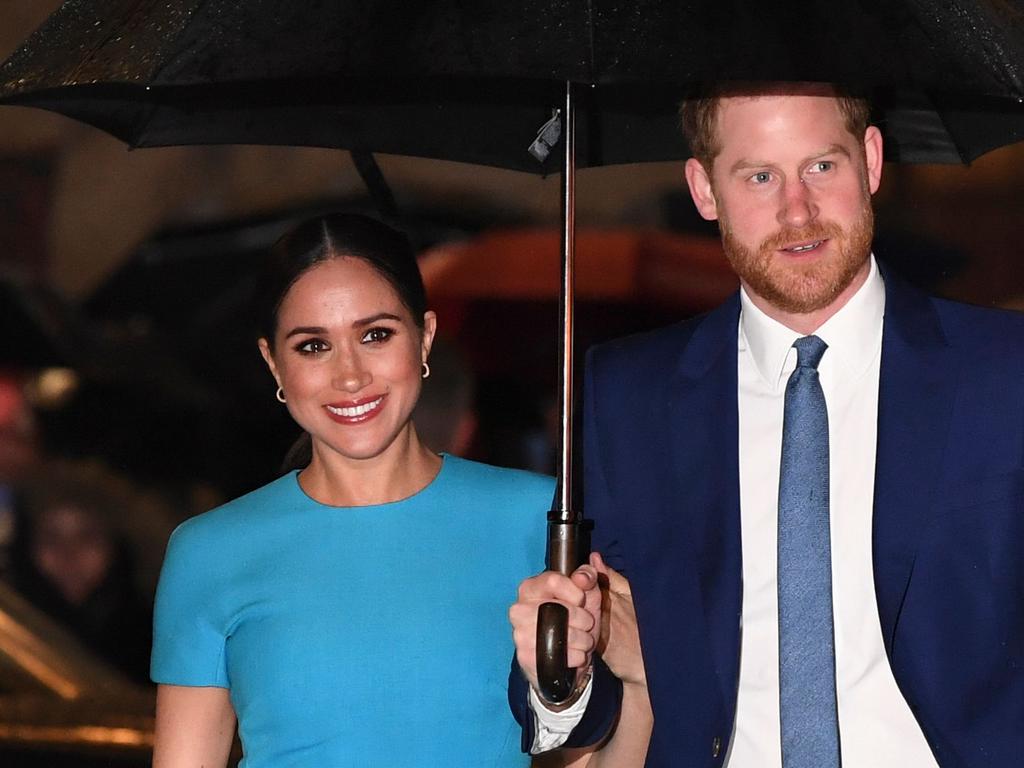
{"type": "Point", "coordinates": [688, 273]}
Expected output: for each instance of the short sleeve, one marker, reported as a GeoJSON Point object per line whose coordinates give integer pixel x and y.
{"type": "Point", "coordinates": [188, 634]}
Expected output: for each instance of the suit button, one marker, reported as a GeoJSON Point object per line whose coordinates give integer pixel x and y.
{"type": "Point", "coordinates": [716, 746]}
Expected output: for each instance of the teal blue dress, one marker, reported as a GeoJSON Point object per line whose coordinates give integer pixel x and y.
{"type": "Point", "coordinates": [357, 636]}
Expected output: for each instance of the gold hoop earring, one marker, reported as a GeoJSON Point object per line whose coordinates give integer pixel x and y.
{"type": "Point", "coordinates": [426, 370]}
{"type": "Point", "coordinates": [280, 395]}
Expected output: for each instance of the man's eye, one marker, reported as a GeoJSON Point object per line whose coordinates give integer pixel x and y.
{"type": "Point", "coordinates": [312, 347]}
{"type": "Point", "coordinates": [761, 178]}
{"type": "Point", "coordinates": [378, 335]}
{"type": "Point", "coordinates": [822, 166]}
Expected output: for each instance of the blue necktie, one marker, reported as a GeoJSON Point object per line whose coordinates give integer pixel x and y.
{"type": "Point", "coordinates": [807, 677]}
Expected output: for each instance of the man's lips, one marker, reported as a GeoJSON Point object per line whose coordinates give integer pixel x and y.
{"type": "Point", "coordinates": [355, 411]}
{"type": "Point", "coordinates": [804, 247]}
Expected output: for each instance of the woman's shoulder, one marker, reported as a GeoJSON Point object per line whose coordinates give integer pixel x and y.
{"type": "Point", "coordinates": [240, 515]}
{"type": "Point", "coordinates": [491, 479]}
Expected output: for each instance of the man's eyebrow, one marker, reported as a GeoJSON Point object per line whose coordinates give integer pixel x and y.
{"type": "Point", "coordinates": [748, 164]}
{"type": "Point", "coordinates": [834, 149]}
{"type": "Point", "coordinates": [744, 164]}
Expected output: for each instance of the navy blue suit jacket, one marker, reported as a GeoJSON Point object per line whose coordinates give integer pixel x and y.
{"type": "Point", "coordinates": [662, 486]}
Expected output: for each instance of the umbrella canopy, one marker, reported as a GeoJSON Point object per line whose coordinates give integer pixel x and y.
{"type": "Point", "coordinates": [475, 81]}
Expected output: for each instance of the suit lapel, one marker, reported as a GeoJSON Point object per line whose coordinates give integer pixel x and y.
{"type": "Point", "coordinates": [705, 476]}
{"type": "Point", "coordinates": [917, 387]}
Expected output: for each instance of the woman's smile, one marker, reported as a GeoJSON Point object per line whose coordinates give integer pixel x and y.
{"type": "Point", "coordinates": [356, 411]}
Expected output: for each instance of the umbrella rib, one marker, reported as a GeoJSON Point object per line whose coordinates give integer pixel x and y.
{"type": "Point", "coordinates": [181, 31]}
{"type": "Point", "coordinates": [147, 116]}
{"type": "Point", "coordinates": [960, 152]}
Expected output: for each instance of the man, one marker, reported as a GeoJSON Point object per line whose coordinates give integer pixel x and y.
{"type": "Point", "coordinates": [901, 627]}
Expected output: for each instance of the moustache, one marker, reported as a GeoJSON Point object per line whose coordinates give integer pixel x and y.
{"type": "Point", "coordinates": [818, 230]}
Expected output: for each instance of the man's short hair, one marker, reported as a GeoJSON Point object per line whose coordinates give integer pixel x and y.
{"type": "Point", "coordinates": [699, 113]}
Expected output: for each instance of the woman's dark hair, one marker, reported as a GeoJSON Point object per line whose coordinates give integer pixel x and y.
{"type": "Point", "coordinates": [317, 240]}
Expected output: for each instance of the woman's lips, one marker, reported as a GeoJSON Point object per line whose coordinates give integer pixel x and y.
{"type": "Point", "coordinates": [355, 411]}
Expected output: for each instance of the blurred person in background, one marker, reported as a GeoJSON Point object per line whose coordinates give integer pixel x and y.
{"type": "Point", "coordinates": [349, 612]}
{"type": "Point", "coordinates": [19, 452]}
{"type": "Point", "coordinates": [76, 563]}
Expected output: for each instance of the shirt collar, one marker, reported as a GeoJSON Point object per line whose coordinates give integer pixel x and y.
{"type": "Point", "coordinates": [853, 334]}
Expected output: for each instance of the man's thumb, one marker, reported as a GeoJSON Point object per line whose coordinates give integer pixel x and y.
{"type": "Point", "coordinates": [616, 581]}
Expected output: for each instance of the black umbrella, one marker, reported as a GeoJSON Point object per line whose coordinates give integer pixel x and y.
{"type": "Point", "coordinates": [473, 81]}
{"type": "Point", "coordinates": [476, 81]}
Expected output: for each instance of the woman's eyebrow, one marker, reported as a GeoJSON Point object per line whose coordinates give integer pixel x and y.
{"type": "Point", "coordinates": [377, 318]}
{"type": "Point", "coordinates": [319, 330]}
{"type": "Point", "coordinates": [305, 329]}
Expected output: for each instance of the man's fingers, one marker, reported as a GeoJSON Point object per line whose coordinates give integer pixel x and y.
{"type": "Point", "coordinates": [617, 582]}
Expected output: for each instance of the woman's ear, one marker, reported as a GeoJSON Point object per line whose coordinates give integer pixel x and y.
{"type": "Point", "coordinates": [429, 329]}
{"type": "Point", "coordinates": [268, 358]}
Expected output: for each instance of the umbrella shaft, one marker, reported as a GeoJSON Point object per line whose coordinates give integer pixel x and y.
{"type": "Point", "coordinates": [565, 471]}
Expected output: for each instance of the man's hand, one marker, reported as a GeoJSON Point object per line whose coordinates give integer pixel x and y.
{"type": "Point", "coordinates": [619, 644]}
{"type": "Point", "coordinates": [579, 593]}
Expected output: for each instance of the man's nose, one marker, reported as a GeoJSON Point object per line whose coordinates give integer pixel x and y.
{"type": "Point", "coordinates": [798, 207]}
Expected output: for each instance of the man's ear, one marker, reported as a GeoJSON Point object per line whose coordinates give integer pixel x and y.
{"type": "Point", "coordinates": [699, 182]}
{"type": "Point", "coordinates": [873, 157]}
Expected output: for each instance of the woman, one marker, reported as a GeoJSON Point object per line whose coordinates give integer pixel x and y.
{"type": "Point", "coordinates": [351, 613]}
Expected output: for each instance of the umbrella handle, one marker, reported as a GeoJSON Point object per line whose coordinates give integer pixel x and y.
{"type": "Point", "coordinates": [568, 543]}
{"type": "Point", "coordinates": [555, 679]}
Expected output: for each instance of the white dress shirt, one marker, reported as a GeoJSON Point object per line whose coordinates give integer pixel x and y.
{"type": "Point", "coordinates": [877, 729]}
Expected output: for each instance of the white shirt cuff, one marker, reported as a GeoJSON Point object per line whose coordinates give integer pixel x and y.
{"type": "Point", "coordinates": [552, 729]}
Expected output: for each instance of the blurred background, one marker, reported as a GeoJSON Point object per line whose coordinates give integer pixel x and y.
{"type": "Point", "coordinates": [132, 394]}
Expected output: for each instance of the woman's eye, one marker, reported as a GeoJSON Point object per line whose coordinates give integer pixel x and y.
{"type": "Point", "coordinates": [378, 335]}
{"type": "Point", "coordinates": [312, 347]}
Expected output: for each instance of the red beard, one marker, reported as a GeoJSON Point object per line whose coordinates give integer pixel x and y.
{"type": "Point", "coordinates": [802, 288]}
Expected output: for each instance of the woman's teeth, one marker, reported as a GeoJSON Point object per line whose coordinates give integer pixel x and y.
{"type": "Point", "coordinates": [355, 410]}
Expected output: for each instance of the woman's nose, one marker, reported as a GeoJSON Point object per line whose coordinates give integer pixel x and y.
{"type": "Point", "coordinates": [351, 375]}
